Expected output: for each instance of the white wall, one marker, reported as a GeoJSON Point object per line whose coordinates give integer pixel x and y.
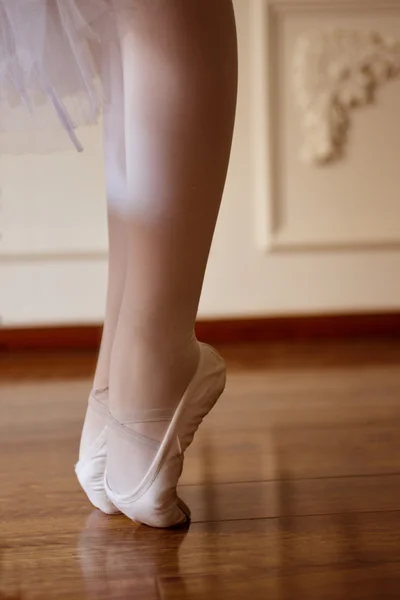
{"type": "Point", "coordinates": [291, 238]}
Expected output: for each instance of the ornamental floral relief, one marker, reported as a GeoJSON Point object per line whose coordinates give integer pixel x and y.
{"type": "Point", "coordinates": [334, 72]}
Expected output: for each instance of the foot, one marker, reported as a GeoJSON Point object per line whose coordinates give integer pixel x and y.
{"type": "Point", "coordinates": [154, 500]}
{"type": "Point", "coordinates": [93, 452]}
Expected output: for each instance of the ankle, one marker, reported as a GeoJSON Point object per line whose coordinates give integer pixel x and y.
{"type": "Point", "coordinates": [153, 375]}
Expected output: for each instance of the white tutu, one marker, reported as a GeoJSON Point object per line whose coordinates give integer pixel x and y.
{"type": "Point", "coordinates": [51, 66]}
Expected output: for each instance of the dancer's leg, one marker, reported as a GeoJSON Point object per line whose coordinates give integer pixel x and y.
{"type": "Point", "coordinates": [115, 172]}
{"type": "Point", "coordinates": [92, 453]}
{"type": "Point", "coordinates": [180, 72]}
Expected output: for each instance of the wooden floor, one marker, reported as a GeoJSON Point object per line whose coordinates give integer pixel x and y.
{"type": "Point", "coordinates": [294, 484]}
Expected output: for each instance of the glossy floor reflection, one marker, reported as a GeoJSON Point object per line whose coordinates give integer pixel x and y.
{"type": "Point", "coordinates": [294, 484]}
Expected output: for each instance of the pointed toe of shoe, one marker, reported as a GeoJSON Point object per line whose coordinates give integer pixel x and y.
{"type": "Point", "coordinates": [90, 475]}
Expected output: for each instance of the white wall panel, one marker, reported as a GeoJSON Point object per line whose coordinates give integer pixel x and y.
{"type": "Point", "coordinates": [354, 201]}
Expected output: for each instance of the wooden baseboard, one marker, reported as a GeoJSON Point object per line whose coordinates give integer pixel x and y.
{"type": "Point", "coordinates": [301, 328]}
{"type": "Point", "coordinates": [223, 331]}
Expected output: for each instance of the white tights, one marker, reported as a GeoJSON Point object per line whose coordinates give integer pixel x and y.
{"type": "Point", "coordinates": [168, 131]}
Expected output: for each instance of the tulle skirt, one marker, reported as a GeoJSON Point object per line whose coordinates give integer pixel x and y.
{"type": "Point", "coordinates": [52, 74]}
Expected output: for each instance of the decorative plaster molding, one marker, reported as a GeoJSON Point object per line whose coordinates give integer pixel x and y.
{"type": "Point", "coordinates": [334, 72]}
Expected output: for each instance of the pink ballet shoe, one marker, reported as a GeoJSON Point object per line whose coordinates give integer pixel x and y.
{"type": "Point", "coordinates": [91, 467]}
{"type": "Point", "coordinates": [155, 502]}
